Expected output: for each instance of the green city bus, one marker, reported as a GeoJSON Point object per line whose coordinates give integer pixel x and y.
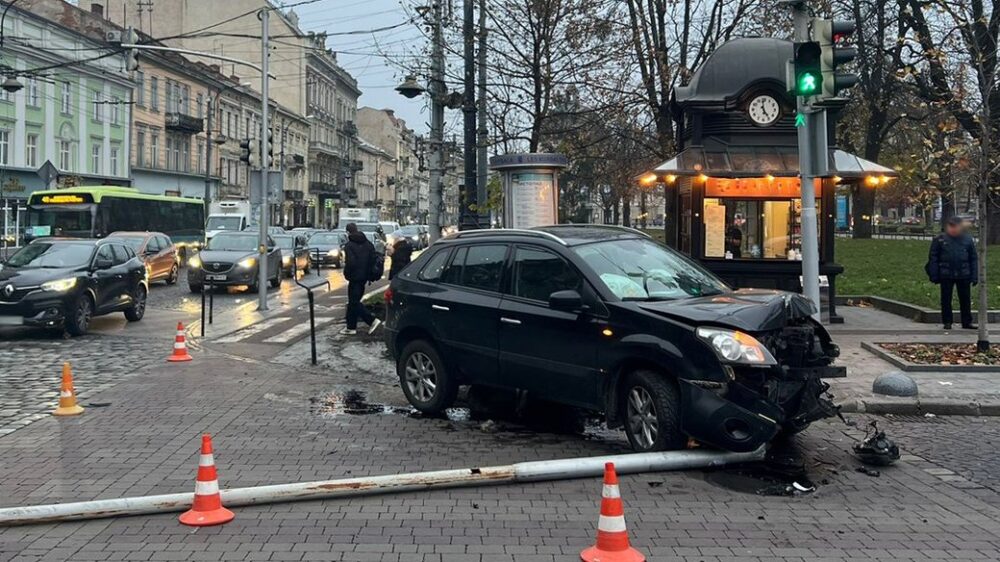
{"type": "Point", "coordinates": [95, 212]}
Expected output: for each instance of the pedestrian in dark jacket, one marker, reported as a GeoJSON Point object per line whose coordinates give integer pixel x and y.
{"type": "Point", "coordinates": [954, 264]}
{"type": "Point", "coordinates": [359, 258]}
{"type": "Point", "coordinates": [402, 252]}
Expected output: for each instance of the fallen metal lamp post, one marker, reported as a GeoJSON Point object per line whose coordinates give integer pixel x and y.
{"type": "Point", "coordinates": [533, 471]}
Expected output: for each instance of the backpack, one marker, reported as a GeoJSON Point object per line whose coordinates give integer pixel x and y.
{"type": "Point", "coordinates": [377, 268]}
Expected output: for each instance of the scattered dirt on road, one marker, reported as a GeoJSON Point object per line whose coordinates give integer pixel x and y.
{"type": "Point", "coordinates": [782, 473]}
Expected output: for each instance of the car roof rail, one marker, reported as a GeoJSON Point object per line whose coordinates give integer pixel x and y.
{"type": "Point", "coordinates": [603, 226]}
{"type": "Point", "coordinates": [507, 232]}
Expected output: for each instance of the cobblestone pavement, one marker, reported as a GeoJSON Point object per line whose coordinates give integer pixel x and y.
{"type": "Point", "coordinates": [283, 423]}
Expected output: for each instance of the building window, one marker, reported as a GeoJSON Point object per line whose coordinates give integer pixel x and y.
{"type": "Point", "coordinates": [154, 151]}
{"type": "Point", "coordinates": [140, 88]}
{"type": "Point", "coordinates": [67, 98]}
{"type": "Point", "coordinates": [65, 155]}
{"type": "Point", "coordinates": [95, 159]}
{"type": "Point", "coordinates": [4, 147]}
{"type": "Point", "coordinates": [140, 148]}
{"type": "Point", "coordinates": [201, 106]}
{"type": "Point", "coordinates": [115, 111]}
{"type": "Point", "coordinates": [201, 156]}
{"type": "Point", "coordinates": [113, 161]}
{"type": "Point", "coordinates": [32, 93]}
{"type": "Point", "coordinates": [154, 93]}
{"type": "Point", "coordinates": [31, 151]}
{"type": "Point", "coordinates": [98, 106]}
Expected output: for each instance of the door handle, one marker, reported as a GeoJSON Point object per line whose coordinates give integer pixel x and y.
{"type": "Point", "coordinates": [439, 307]}
{"type": "Point", "coordinates": [513, 321]}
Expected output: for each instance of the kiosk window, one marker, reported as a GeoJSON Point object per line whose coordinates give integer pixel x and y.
{"type": "Point", "coordinates": [753, 228]}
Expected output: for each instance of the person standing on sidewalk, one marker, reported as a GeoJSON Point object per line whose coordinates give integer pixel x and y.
{"type": "Point", "coordinates": [359, 259]}
{"type": "Point", "coordinates": [954, 264]}
{"type": "Point", "coordinates": [402, 253]}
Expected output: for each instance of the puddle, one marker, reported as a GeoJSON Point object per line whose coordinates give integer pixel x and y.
{"type": "Point", "coordinates": [782, 473]}
{"type": "Point", "coordinates": [355, 403]}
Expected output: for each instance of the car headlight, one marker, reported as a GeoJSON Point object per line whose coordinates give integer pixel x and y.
{"type": "Point", "coordinates": [334, 252]}
{"type": "Point", "coordinates": [286, 259]}
{"type": "Point", "coordinates": [60, 286]}
{"type": "Point", "coordinates": [195, 262]}
{"type": "Point", "coordinates": [247, 263]}
{"type": "Point", "coordinates": [734, 346]}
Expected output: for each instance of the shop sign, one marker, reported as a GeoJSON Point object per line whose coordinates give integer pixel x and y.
{"type": "Point", "coordinates": [769, 187]}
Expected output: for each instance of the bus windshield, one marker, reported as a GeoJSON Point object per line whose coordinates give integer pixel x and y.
{"type": "Point", "coordinates": [61, 221]}
{"type": "Point", "coordinates": [224, 223]}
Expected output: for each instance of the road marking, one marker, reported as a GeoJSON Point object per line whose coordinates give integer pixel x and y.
{"type": "Point", "coordinates": [249, 331]}
{"type": "Point", "coordinates": [296, 331]}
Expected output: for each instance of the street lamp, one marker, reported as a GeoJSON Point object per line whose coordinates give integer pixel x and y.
{"type": "Point", "coordinates": [11, 85]}
{"type": "Point", "coordinates": [410, 88]}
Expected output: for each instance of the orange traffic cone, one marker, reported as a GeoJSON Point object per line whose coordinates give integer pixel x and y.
{"type": "Point", "coordinates": [67, 396]}
{"type": "Point", "coordinates": [612, 538]}
{"type": "Point", "coordinates": [207, 509]}
{"type": "Point", "coordinates": [180, 347]}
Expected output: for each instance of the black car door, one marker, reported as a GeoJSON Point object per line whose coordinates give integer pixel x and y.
{"type": "Point", "coordinates": [464, 310]}
{"type": "Point", "coordinates": [108, 278]}
{"type": "Point", "coordinates": [549, 352]}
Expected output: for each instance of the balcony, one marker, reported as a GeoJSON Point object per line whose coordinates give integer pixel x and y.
{"type": "Point", "coordinates": [325, 148]}
{"type": "Point", "coordinates": [349, 128]}
{"type": "Point", "coordinates": [182, 122]}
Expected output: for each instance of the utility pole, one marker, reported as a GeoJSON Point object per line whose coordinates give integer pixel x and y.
{"type": "Point", "coordinates": [482, 190]}
{"type": "Point", "coordinates": [265, 164]}
{"type": "Point", "coordinates": [210, 106]}
{"type": "Point", "coordinates": [468, 210]}
{"type": "Point", "coordinates": [438, 93]}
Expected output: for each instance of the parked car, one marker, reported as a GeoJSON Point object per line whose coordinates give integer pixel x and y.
{"type": "Point", "coordinates": [64, 282]}
{"type": "Point", "coordinates": [607, 320]}
{"type": "Point", "coordinates": [156, 250]}
{"type": "Point", "coordinates": [231, 258]}
{"type": "Point", "coordinates": [293, 247]}
{"type": "Point", "coordinates": [330, 246]}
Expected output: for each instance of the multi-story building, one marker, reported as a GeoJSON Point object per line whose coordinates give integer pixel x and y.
{"type": "Point", "coordinates": [406, 198]}
{"type": "Point", "coordinates": [332, 104]}
{"type": "Point", "coordinates": [376, 178]}
{"type": "Point", "coordinates": [68, 124]}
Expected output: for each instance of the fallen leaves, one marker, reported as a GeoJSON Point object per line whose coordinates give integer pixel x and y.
{"type": "Point", "coordinates": [943, 353]}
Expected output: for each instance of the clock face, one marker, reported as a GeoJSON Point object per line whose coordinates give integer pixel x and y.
{"type": "Point", "coordinates": [764, 110]}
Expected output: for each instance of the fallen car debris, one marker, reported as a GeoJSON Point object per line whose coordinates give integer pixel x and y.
{"type": "Point", "coordinates": [876, 449]}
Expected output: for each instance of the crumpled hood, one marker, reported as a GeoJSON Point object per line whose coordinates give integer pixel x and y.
{"type": "Point", "coordinates": [32, 277]}
{"type": "Point", "coordinates": [750, 310]}
{"type": "Point", "coordinates": [225, 256]}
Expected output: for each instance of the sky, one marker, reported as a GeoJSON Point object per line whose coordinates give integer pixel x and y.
{"type": "Point", "coordinates": [377, 60]}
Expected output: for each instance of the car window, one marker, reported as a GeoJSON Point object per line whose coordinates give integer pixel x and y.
{"type": "Point", "coordinates": [481, 267]}
{"type": "Point", "coordinates": [539, 273]}
{"type": "Point", "coordinates": [105, 252]}
{"type": "Point", "coordinates": [453, 273]}
{"type": "Point", "coordinates": [120, 253]}
{"type": "Point", "coordinates": [435, 266]}
{"type": "Point", "coordinates": [49, 255]}
{"type": "Point", "coordinates": [164, 242]}
{"type": "Point", "coordinates": [153, 245]}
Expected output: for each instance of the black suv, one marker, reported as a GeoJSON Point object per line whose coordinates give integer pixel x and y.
{"type": "Point", "coordinates": [63, 283]}
{"type": "Point", "coordinates": [605, 319]}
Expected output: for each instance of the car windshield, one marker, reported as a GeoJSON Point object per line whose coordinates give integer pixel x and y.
{"type": "Point", "coordinates": [409, 230]}
{"type": "Point", "coordinates": [285, 242]}
{"type": "Point", "coordinates": [640, 269]}
{"type": "Point", "coordinates": [134, 242]}
{"type": "Point", "coordinates": [326, 238]}
{"type": "Point", "coordinates": [368, 227]}
{"type": "Point", "coordinates": [235, 242]}
{"type": "Point", "coordinates": [224, 223]}
{"type": "Point", "coordinates": [51, 255]}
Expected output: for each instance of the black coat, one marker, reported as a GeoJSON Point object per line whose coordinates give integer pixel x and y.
{"type": "Point", "coordinates": [359, 253]}
{"type": "Point", "coordinates": [402, 252]}
{"type": "Point", "coordinates": [952, 258]}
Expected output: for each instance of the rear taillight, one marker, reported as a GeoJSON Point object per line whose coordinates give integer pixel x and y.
{"type": "Point", "coordinates": [387, 296]}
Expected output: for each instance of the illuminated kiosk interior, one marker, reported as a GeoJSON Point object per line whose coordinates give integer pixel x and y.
{"type": "Point", "coordinates": [530, 188]}
{"type": "Point", "coordinates": [732, 191]}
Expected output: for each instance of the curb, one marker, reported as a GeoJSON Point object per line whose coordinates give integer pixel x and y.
{"type": "Point", "coordinates": [916, 407]}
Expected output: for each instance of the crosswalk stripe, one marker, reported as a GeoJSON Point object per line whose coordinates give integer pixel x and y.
{"type": "Point", "coordinates": [296, 331]}
{"type": "Point", "coordinates": [249, 331]}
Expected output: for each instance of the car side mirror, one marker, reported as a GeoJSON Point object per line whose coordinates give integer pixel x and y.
{"type": "Point", "coordinates": [103, 263]}
{"type": "Point", "coordinates": [567, 301]}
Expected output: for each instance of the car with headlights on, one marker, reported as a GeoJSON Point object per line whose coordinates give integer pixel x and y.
{"type": "Point", "coordinates": [607, 320]}
{"type": "Point", "coordinates": [412, 232]}
{"type": "Point", "coordinates": [294, 254]}
{"type": "Point", "coordinates": [62, 283]}
{"type": "Point", "coordinates": [328, 247]}
{"type": "Point", "coordinates": [232, 258]}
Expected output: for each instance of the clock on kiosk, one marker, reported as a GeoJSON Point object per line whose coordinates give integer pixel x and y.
{"type": "Point", "coordinates": [764, 110]}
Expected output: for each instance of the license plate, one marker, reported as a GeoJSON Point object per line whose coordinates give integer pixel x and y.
{"type": "Point", "coordinates": [11, 320]}
{"type": "Point", "coordinates": [211, 277]}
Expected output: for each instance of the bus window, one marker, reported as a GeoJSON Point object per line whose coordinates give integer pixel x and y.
{"type": "Point", "coordinates": [61, 221]}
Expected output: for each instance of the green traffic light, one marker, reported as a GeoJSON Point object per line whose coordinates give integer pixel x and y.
{"type": "Point", "coordinates": [808, 84]}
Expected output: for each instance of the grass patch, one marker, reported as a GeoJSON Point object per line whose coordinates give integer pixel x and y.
{"type": "Point", "coordinates": [894, 269]}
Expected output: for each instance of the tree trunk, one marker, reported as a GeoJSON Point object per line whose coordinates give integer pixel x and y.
{"type": "Point", "coordinates": [627, 210]}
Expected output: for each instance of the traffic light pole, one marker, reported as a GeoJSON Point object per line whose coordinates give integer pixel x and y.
{"type": "Point", "coordinates": [265, 165]}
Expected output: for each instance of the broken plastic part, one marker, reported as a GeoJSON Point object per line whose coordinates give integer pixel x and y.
{"type": "Point", "coordinates": [876, 449]}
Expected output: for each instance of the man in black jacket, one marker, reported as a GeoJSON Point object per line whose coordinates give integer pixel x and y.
{"type": "Point", "coordinates": [359, 258]}
{"type": "Point", "coordinates": [953, 263]}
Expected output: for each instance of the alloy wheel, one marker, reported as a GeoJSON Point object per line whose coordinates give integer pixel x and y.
{"type": "Point", "coordinates": [641, 415]}
{"type": "Point", "coordinates": [421, 376]}
{"type": "Point", "coordinates": [83, 314]}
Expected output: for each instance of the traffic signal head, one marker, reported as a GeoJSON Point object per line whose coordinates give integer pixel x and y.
{"type": "Point", "coordinates": [248, 152]}
{"type": "Point", "coordinates": [830, 34]}
{"type": "Point", "coordinates": [808, 73]}
{"type": "Point", "coordinates": [268, 155]}
{"type": "Point", "coordinates": [130, 37]}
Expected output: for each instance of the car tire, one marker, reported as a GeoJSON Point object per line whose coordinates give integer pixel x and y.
{"type": "Point", "coordinates": [255, 286]}
{"type": "Point", "coordinates": [195, 288]}
{"type": "Point", "coordinates": [420, 364]}
{"type": "Point", "coordinates": [276, 281]}
{"type": "Point", "coordinates": [80, 315]}
{"type": "Point", "coordinates": [174, 274]}
{"type": "Point", "coordinates": [650, 406]}
{"type": "Point", "coordinates": [135, 312]}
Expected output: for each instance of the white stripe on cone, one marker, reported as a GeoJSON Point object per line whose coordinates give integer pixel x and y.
{"type": "Point", "coordinates": [206, 460]}
{"type": "Point", "coordinates": [179, 345]}
{"type": "Point", "coordinates": [212, 488]}
{"type": "Point", "coordinates": [65, 394]}
{"type": "Point", "coordinates": [611, 523]}
{"type": "Point", "coordinates": [611, 491]}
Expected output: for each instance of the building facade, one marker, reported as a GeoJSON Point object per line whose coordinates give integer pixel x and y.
{"type": "Point", "coordinates": [405, 199]}
{"type": "Point", "coordinates": [376, 177]}
{"type": "Point", "coordinates": [69, 123]}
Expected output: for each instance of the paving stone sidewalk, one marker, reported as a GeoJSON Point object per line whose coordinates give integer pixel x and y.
{"type": "Point", "coordinates": [271, 426]}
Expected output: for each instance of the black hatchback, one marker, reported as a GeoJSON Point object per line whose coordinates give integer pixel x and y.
{"type": "Point", "coordinates": [605, 319]}
{"type": "Point", "coordinates": [63, 283]}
